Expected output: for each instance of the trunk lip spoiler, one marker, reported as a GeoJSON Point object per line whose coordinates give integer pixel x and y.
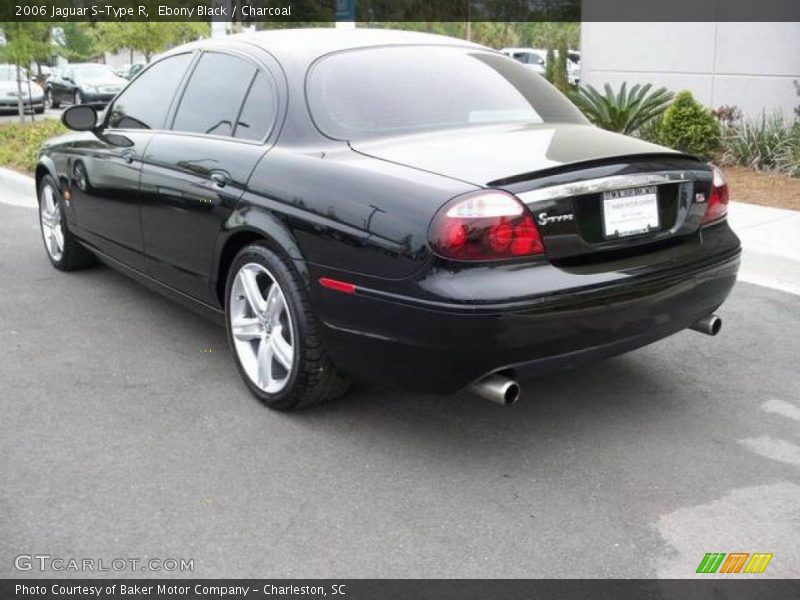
{"type": "Point", "coordinates": [612, 182]}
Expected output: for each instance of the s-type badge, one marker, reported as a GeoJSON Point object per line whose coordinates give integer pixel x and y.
{"type": "Point", "coordinates": [544, 219]}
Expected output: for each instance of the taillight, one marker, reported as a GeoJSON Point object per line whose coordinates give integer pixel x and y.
{"type": "Point", "coordinates": [717, 206]}
{"type": "Point", "coordinates": [485, 225]}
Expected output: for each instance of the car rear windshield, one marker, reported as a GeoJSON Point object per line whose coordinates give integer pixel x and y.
{"type": "Point", "coordinates": [388, 91]}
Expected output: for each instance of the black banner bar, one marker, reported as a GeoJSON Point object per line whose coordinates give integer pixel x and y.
{"type": "Point", "coordinates": [366, 11]}
{"type": "Point", "coordinates": [732, 588]}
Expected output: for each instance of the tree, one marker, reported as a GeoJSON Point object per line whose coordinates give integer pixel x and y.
{"type": "Point", "coordinates": [25, 43]}
{"type": "Point", "coordinates": [560, 77]}
{"type": "Point", "coordinates": [548, 34]}
{"type": "Point", "coordinates": [79, 43]}
{"type": "Point", "coordinates": [495, 35]}
{"type": "Point", "coordinates": [550, 65]}
{"type": "Point", "coordinates": [147, 37]}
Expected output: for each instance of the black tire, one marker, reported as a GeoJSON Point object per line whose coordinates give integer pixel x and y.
{"type": "Point", "coordinates": [313, 379]}
{"type": "Point", "coordinates": [50, 99]}
{"type": "Point", "coordinates": [40, 111]}
{"type": "Point", "coordinates": [73, 256]}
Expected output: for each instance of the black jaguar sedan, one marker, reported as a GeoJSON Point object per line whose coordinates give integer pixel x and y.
{"type": "Point", "coordinates": [386, 206]}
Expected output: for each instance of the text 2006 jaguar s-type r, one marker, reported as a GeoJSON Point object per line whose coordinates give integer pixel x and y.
{"type": "Point", "coordinates": [390, 206]}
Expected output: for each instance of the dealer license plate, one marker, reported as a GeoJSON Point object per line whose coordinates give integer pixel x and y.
{"type": "Point", "coordinates": [630, 212]}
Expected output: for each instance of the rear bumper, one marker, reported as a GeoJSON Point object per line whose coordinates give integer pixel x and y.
{"type": "Point", "coordinates": [429, 348]}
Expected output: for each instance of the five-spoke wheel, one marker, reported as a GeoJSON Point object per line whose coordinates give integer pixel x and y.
{"type": "Point", "coordinates": [273, 332]}
{"type": "Point", "coordinates": [261, 327]}
{"type": "Point", "coordinates": [63, 249]}
{"type": "Point", "coordinates": [52, 229]}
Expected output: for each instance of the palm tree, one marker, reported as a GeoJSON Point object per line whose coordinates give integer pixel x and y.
{"type": "Point", "coordinates": [623, 112]}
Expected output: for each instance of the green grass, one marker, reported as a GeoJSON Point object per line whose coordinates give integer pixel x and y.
{"type": "Point", "coordinates": [20, 142]}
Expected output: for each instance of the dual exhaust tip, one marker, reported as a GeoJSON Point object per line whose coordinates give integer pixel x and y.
{"type": "Point", "coordinates": [505, 391]}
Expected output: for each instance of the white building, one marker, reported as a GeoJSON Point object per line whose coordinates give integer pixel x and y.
{"type": "Point", "coordinates": [750, 65]}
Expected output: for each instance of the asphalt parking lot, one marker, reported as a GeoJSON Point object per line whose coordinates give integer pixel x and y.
{"type": "Point", "coordinates": [126, 432]}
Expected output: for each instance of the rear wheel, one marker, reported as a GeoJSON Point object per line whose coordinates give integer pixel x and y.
{"type": "Point", "coordinates": [274, 335]}
{"type": "Point", "coordinates": [63, 250]}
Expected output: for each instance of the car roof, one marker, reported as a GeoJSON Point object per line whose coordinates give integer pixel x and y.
{"type": "Point", "coordinates": [306, 45]}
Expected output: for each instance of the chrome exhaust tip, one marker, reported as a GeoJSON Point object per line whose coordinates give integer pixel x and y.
{"type": "Point", "coordinates": [710, 325]}
{"type": "Point", "coordinates": [498, 389]}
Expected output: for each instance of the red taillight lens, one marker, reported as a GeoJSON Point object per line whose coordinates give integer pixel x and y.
{"type": "Point", "coordinates": [718, 200]}
{"type": "Point", "coordinates": [485, 225]}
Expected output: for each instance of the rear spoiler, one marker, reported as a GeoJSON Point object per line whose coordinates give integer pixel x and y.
{"type": "Point", "coordinates": [588, 164]}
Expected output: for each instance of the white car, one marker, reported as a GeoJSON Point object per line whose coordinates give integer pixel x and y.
{"type": "Point", "coordinates": [536, 60]}
{"type": "Point", "coordinates": [32, 93]}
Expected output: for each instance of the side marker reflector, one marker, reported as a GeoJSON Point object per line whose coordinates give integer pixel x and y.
{"type": "Point", "coordinates": [339, 286]}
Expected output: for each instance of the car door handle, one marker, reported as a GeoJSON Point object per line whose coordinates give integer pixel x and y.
{"type": "Point", "coordinates": [128, 156]}
{"type": "Point", "coordinates": [220, 179]}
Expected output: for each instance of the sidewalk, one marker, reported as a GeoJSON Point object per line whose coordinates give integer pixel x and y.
{"type": "Point", "coordinates": [770, 236]}
{"type": "Point", "coordinates": [770, 243]}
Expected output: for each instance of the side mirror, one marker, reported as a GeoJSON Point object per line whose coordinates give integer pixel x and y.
{"type": "Point", "coordinates": [81, 117]}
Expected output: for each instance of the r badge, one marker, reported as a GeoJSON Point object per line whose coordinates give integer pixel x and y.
{"type": "Point", "coordinates": [700, 197]}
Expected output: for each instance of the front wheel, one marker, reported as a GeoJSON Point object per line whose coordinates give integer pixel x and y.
{"type": "Point", "coordinates": [50, 99]}
{"type": "Point", "coordinates": [274, 335]}
{"type": "Point", "coordinates": [63, 250]}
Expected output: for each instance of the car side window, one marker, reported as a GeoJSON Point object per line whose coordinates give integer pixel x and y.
{"type": "Point", "coordinates": [144, 104]}
{"type": "Point", "coordinates": [214, 95]}
{"type": "Point", "coordinates": [258, 112]}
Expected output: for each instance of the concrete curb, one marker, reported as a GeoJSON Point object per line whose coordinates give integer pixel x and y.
{"type": "Point", "coordinates": [17, 189]}
{"type": "Point", "coordinates": [770, 236]}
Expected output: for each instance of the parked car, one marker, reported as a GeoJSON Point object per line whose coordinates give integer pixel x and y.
{"type": "Point", "coordinates": [391, 206]}
{"type": "Point", "coordinates": [32, 94]}
{"type": "Point", "coordinates": [129, 71]}
{"type": "Point", "coordinates": [574, 67]}
{"type": "Point", "coordinates": [535, 60]}
{"type": "Point", "coordinates": [83, 83]}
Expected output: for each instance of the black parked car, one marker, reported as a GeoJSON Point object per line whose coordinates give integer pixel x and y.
{"type": "Point", "coordinates": [387, 206]}
{"type": "Point", "coordinates": [83, 83]}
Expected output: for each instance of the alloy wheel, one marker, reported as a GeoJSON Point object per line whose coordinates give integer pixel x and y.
{"type": "Point", "coordinates": [261, 328]}
{"type": "Point", "coordinates": [52, 229]}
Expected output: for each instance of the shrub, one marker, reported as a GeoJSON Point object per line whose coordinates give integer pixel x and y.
{"type": "Point", "coordinates": [690, 127]}
{"type": "Point", "coordinates": [763, 144]}
{"type": "Point", "coordinates": [727, 115]}
{"type": "Point", "coordinates": [20, 142]}
{"type": "Point", "coordinates": [797, 108]}
{"type": "Point", "coordinates": [788, 159]}
{"type": "Point", "coordinates": [622, 112]}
